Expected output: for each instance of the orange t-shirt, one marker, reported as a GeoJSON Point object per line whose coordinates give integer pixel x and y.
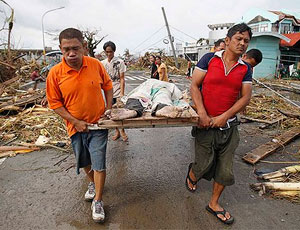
{"type": "Point", "coordinates": [159, 70]}
{"type": "Point", "coordinates": [78, 91]}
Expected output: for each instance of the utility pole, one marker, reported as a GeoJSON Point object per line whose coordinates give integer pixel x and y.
{"type": "Point", "coordinates": [44, 47]}
{"type": "Point", "coordinates": [170, 37]}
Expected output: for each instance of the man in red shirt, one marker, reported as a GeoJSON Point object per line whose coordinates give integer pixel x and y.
{"type": "Point", "coordinates": [35, 76]}
{"type": "Point", "coordinates": [223, 76]}
{"type": "Point", "coordinates": [74, 92]}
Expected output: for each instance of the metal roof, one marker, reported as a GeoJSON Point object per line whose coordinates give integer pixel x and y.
{"type": "Point", "coordinates": [294, 38]}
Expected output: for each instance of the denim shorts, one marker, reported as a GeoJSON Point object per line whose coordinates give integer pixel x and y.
{"type": "Point", "coordinates": [90, 149]}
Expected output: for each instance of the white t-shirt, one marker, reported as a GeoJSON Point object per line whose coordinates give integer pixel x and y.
{"type": "Point", "coordinates": [114, 68]}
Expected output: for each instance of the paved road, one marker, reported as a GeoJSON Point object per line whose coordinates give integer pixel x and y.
{"type": "Point", "coordinates": [144, 188]}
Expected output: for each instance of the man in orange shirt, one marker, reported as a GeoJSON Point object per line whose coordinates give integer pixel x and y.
{"type": "Point", "coordinates": [74, 92]}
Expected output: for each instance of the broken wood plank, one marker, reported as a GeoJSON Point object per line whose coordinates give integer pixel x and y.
{"type": "Point", "coordinates": [7, 154]}
{"type": "Point", "coordinates": [159, 122]}
{"type": "Point", "coordinates": [8, 65]}
{"type": "Point", "coordinates": [34, 146]}
{"type": "Point", "coordinates": [175, 122]}
{"type": "Point", "coordinates": [264, 121]}
{"type": "Point", "coordinates": [23, 101]}
{"type": "Point", "coordinates": [270, 147]}
{"type": "Point", "coordinates": [8, 82]}
{"type": "Point", "coordinates": [283, 87]}
{"type": "Point", "coordinates": [273, 122]}
{"type": "Point", "coordinates": [5, 98]}
{"type": "Point", "coordinates": [137, 123]}
{"type": "Point", "coordinates": [295, 85]}
{"type": "Point", "coordinates": [14, 153]}
{"type": "Point", "coordinates": [16, 148]}
{"type": "Point", "coordinates": [10, 108]}
{"type": "Point", "coordinates": [145, 121]}
{"type": "Point", "coordinates": [289, 113]}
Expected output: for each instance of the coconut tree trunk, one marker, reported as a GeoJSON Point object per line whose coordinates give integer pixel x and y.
{"type": "Point", "coordinates": [282, 172]}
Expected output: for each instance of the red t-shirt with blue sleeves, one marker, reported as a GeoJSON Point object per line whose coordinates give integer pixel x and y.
{"type": "Point", "coordinates": [220, 90]}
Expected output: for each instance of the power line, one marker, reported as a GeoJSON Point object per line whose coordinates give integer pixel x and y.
{"type": "Point", "coordinates": [149, 37]}
{"type": "Point", "coordinates": [184, 33]}
{"type": "Point", "coordinates": [179, 39]}
{"type": "Point", "coordinates": [154, 43]}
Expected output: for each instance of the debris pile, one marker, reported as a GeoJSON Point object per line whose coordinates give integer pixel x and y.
{"type": "Point", "coordinates": [33, 127]}
{"type": "Point", "coordinates": [17, 67]}
{"type": "Point", "coordinates": [283, 183]}
{"type": "Point", "coordinates": [272, 110]}
{"type": "Point", "coordinates": [13, 94]}
{"type": "Point", "coordinates": [24, 124]}
{"type": "Point", "coordinates": [285, 85]}
{"type": "Point", "coordinates": [29, 124]}
{"type": "Point", "coordinates": [143, 63]}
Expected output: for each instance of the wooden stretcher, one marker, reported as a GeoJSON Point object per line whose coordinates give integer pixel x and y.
{"type": "Point", "coordinates": [145, 121]}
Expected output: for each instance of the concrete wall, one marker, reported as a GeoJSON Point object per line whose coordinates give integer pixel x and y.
{"type": "Point", "coordinates": [285, 22]}
{"type": "Point", "coordinates": [269, 46]}
{"type": "Point", "coordinates": [260, 26]}
{"type": "Point", "coordinates": [217, 34]}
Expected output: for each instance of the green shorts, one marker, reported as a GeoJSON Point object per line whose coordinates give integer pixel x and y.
{"type": "Point", "coordinates": [214, 152]}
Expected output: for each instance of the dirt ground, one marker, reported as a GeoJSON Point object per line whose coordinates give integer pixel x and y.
{"type": "Point", "coordinates": [144, 188]}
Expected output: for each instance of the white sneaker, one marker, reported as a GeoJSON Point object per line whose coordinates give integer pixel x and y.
{"type": "Point", "coordinates": [90, 193]}
{"type": "Point", "coordinates": [98, 214]}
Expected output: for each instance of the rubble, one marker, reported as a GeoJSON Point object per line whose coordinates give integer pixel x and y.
{"type": "Point", "coordinates": [22, 119]}
{"type": "Point", "coordinates": [29, 124]}
{"type": "Point", "coordinates": [286, 85]}
{"type": "Point", "coordinates": [143, 63]}
{"type": "Point", "coordinates": [268, 109]}
{"type": "Point", "coordinates": [283, 183]}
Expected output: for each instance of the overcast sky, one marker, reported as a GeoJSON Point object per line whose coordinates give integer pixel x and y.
{"type": "Point", "coordinates": [128, 22]}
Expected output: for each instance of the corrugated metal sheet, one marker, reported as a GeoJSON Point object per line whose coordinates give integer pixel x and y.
{"type": "Point", "coordinates": [294, 38]}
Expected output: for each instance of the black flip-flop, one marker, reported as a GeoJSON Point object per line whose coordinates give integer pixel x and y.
{"type": "Point", "coordinates": [189, 178]}
{"type": "Point", "coordinates": [216, 213]}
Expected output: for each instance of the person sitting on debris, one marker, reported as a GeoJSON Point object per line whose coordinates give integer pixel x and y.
{"type": "Point", "coordinates": [153, 67]}
{"type": "Point", "coordinates": [253, 57]}
{"type": "Point", "coordinates": [36, 77]}
{"type": "Point", "coordinates": [116, 68]}
{"type": "Point", "coordinates": [223, 75]}
{"type": "Point", "coordinates": [161, 69]}
{"type": "Point", "coordinates": [74, 92]}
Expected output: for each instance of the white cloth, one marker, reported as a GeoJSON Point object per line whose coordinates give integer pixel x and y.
{"type": "Point", "coordinates": [153, 92]}
{"type": "Point", "coordinates": [114, 68]}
